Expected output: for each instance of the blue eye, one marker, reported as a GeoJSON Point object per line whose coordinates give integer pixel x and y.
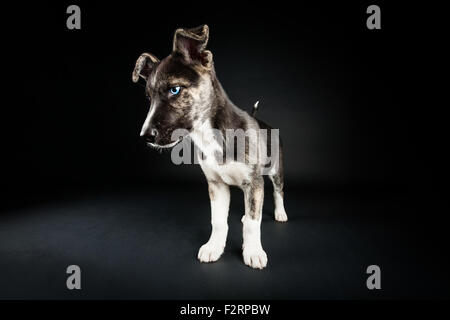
{"type": "Point", "coordinates": [175, 90]}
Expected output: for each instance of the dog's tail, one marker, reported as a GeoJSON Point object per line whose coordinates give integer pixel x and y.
{"type": "Point", "coordinates": [255, 109]}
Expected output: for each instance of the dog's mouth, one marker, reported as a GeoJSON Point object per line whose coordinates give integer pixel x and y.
{"type": "Point", "coordinates": [165, 146]}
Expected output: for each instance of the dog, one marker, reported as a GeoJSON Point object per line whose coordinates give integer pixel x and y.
{"type": "Point", "coordinates": [185, 93]}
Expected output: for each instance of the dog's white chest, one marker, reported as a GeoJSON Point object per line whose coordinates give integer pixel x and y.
{"type": "Point", "coordinates": [230, 172]}
{"type": "Point", "coordinates": [233, 173]}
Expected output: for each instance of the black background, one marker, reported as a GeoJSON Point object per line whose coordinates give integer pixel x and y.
{"type": "Point", "coordinates": [358, 111]}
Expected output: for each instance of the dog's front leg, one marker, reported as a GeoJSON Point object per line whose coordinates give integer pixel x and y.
{"type": "Point", "coordinates": [253, 253]}
{"type": "Point", "coordinates": [219, 194]}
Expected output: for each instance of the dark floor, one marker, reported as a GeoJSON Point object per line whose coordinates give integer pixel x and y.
{"type": "Point", "coordinates": [141, 243]}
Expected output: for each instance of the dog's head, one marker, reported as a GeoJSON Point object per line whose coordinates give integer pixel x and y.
{"type": "Point", "coordinates": [179, 87]}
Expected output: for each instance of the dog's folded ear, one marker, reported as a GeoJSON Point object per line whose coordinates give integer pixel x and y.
{"type": "Point", "coordinates": [144, 66]}
{"type": "Point", "coordinates": [191, 44]}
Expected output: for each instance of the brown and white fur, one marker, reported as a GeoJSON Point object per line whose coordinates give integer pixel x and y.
{"type": "Point", "coordinates": [200, 107]}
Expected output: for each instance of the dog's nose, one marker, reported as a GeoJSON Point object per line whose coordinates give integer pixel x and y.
{"type": "Point", "coordinates": [151, 135]}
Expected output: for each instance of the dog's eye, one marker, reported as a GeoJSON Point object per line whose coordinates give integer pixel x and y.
{"type": "Point", "coordinates": [175, 90]}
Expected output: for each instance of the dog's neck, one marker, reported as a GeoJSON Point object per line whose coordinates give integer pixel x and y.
{"type": "Point", "coordinates": [220, 114]}
{"type": "Point", "coordinates": [223, 114]}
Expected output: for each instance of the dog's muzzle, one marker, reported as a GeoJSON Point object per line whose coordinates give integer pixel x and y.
{"type": "Point", "coordinates": [166, 146]}
{"type": "Point", "coordinates": [152, 139]}
{"type": "Point", "coordinates": [150, 135]}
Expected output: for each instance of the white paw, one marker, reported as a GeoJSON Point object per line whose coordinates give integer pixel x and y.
{"type": "Point", "coordinates": [210, 252]}
{"type": "Point", "coordinates": [280, 215]}
{"type": "Point", "coordinates": [255, 257]}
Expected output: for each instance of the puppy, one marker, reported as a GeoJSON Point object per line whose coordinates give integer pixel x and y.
{"type": "Point", "coordinates": [185, 94]}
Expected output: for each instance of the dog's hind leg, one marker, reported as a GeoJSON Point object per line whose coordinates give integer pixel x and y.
{"type": "Point", "coordinates": [219, 194]}
{"type": "Point", "coordinates": [278, 194]}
